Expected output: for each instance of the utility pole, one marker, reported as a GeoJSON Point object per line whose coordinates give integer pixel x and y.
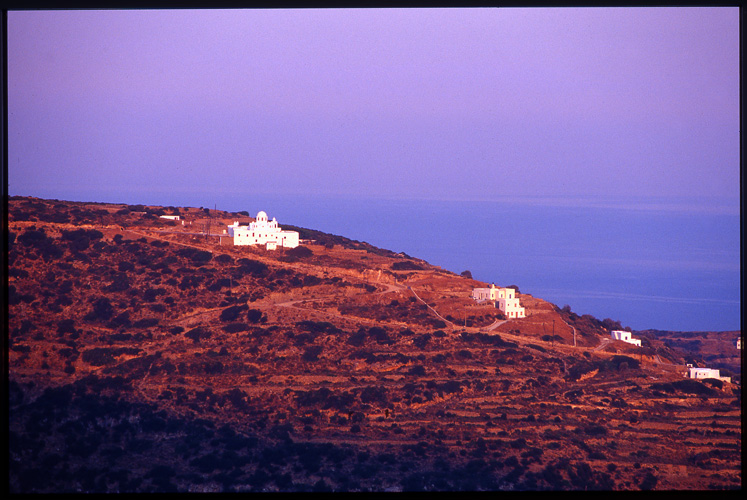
{"type": "Point", "coordinates": [209, 223]}
{"type": "Point", "coordinates": [553, 333]}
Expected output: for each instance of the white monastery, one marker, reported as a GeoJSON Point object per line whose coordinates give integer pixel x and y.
{"type": "Point", "coordinates": [504, 298]}
{"type": "Point", "coordinates": [263, 232]}
{"type": "Point", "coordinates": [625, 337]}
{"type": "Point", "coordinates": [701, 373]}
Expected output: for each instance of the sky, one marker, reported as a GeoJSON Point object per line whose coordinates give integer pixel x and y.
{"type": "Point", "coordinates": [441, 104]}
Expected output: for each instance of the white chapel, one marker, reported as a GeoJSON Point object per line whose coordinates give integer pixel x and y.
{"type": "Point", "coordinates": [263, 232]}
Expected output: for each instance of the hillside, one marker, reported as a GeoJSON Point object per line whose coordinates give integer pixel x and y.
{"type": "Point", "coordinates": [147, 355]}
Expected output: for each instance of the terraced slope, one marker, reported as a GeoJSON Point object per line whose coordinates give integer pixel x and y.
{"type": "Point", "coordinates": [147, 355]}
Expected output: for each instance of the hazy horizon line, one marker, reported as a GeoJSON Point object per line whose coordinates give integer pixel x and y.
{"type": "Point", "coordinates": [705, 204]}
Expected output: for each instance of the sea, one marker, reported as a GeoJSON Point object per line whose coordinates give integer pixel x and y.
{"type": "Point", "coordinates": [649, 263]}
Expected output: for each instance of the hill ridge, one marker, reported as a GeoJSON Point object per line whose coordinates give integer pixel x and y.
{"type": "Point", "coordinates": [257, 370]}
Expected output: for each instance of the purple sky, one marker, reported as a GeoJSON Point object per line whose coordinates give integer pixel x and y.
{"type": "Point", "coordinates": [436, 103]}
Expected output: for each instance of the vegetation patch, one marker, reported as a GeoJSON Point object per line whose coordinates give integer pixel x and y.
{"type": "Point", "coordinates": [102, 356]}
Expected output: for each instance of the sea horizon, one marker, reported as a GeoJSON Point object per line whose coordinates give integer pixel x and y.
{"type": "Point", "coordinates": [661, 263]}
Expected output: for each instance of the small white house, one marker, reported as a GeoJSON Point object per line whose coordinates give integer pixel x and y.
{"type": "Point", "coordinates": [504, 298]}
{"type": "Point", "coordinates": [625, 337]}
{"type": "Point", "coordinates": [701, 373]}
{"type": "Point", "coordinates": [263, 232]}
{"type": "Point", "coordinates": [170, 217]}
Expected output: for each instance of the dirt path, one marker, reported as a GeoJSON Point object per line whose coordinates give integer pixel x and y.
{"type": "Point", "coordinates": [431, 309]}
{"type": "Point", "coordinates": [496, 324]}
{"type": "Point", "coordinates": [603, 343]}
{"type": "Point", "coordinates": [391, 287]}
{"type": "Point", "coordinates": [144, 235]}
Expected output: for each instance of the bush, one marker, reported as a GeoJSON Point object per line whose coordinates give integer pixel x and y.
{"type": "Point", "coordinates": [32, 237]}
{"type": "Point", "coordinates": [421, 341]}
{"type": "Point", "coordinates": [66, 326]}
{"type": "Point", "coordinates": [406, 265]}
{"type": "Point", "coordinates": [146, 323]}
{"type": "Point", "coordinates": [254, 315]}
{"type": "Point", "coordinates": [102, 310]}
{"type": "Point", "coordinates": [619, 363]}
{"type": "Point", "coordinates": [198, 257]}
{"type": "Point", "coordinates": [84, 235]}
{"type": "Point", "coordinates": [120, 283]}
{"type": "Point", "coordinates": [372, 394]}
{"type": "Point", "coordinates": [380, 335]}
{"type": "Point", "coordinates": [224, 259]}
{"type": "Point", "coordinates": [250, 267]}
{"type": "Point", "coordinates": [312, 353]}
{"type": "Point", "coordinates": [197, 334]}
{"type": "Point", "coordinates": [611, 324]}
{"type": "Point", "coordinates": [518, 444]}
{"type": "Point", "coordinates": [299, 252]}
{"type": "Point", "coordinates": [357, 339]}
{"type": "Point", "coordinates": [238, 398]}
{"type": "Point", "coordinates": [190, 282]}
{"type": "Point", "coordinates": [417, 370]}
{"type": "Point", "coordinates": [235, 327]}
{"type": "Point", "coordinates": [232, 313]}
{"type": "Point", "coordinates": [151, 294]}
{"type": "Point", "coordinates": [648, 482]}
{"type": "Point", "coordinates": [714, 382]}
{"type": "Point", "coordinates": [47, 247]}
{"type": "Point", "coordinates": [304, 338]}
{"type": "Point", "coordinates": [219, 284]}
{"type": "Point", "coordinates": [579, 368]}
{"type": "Point", "coordinates": [317, 326]}
{"type": "Point", "coordinates": [595, 430]}
{"type": "Point", "coordinates": [449, 387]}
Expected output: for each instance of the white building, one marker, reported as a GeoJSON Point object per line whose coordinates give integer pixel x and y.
{"type": "Point", "coordinates": [625, 337]}
{"type": "Point", "coordinates": [504, 298]}
{"type": "Point", "coordinates": [701, 373]}
{"type": "Point", "coordinates": [263, 232]}
{"type": "Point", "coordinates": [170, 217]}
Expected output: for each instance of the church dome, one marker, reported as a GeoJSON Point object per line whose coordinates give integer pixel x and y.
{"type": "Point", "coordinates": [261, 216]}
